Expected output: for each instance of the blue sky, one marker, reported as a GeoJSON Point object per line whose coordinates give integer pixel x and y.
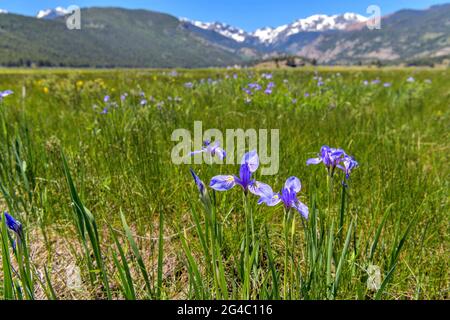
{"type": "Point", "coordinates": [247, 14]}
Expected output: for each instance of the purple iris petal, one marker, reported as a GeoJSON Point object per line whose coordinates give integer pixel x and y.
{"type": "Point", "coordinates": [5, 93]}
{"type": "Point", "coordinates": [254, 86]}
{"type": "Point", "coordinates": [245, 177]}
{"type": "Point", "coordinates": [271, 200]}
{"type": "Point", "coordinates": [200, 185]}
{"type": "Point", "coordinates": [288, 196]}
{"type": "Point", "coordinates": [302, 209]}
{"type": "Point", "coordinates": [13, 224]}
{"type": "Point", "coordinates": [222, 154]}
{"type": "Point", "coordinates": [193, 153]}
{"type": "Point", "coordinates": [269, 197]}
{"type": "Point", "coordinates": [215, 149]}
{"type": "Point", "coordinates": [348, 164]}
{"type": "Point", "coordinates": [294, 184]}
{"type": "Point", "coordinates": [222, 183]}
{"type": "Point", "coordinates": [252, 160]}
{"type": "Point", "coordinates": [260, 189]}
{"type": "Point", "coordinates": [313, 161]}
{"type": "Point", "coordinates": [249, 164]}
{"type": "Point", "coordinates": [330, 157]}
{"type": "Point", "coordinates": [248, 91]}
{"type": "Point", "coordinates": [212, 149]}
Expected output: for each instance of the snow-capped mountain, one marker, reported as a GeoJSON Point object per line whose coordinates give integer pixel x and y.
{"type": "Point", "coordinates": [50, 14]}
{"type": "Point", "coordinates": [2, 11]}
{"type": "Point", "coordinates": [315, 23]}
{"type": "Point", "coordinates": [224, 29]}
{"type": "Point", "coordinates": [268, 35]}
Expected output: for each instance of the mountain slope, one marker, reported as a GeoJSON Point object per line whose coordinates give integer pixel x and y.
{"type": "Point", "coordinates": [109, 37]}
{"type": "Point", "coordinates": [404, 35]}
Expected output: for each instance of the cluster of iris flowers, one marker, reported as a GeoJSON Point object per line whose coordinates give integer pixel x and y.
{"type": "Point", "coordinates": [332, 158]}
{"type": "Point", "coordinates": [143, 101]}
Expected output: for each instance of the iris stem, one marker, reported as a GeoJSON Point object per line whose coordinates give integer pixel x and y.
{"type": "Point", "coordinates": [330, 194]}
{"type": "Point", "coordinates": [287, 224]}
{"type": "Point", "coordinates": [342, 211]}
{"type": "Point", "coordinates": [247, 267]}
{"type": "Point", "coordinates": [213, 230]}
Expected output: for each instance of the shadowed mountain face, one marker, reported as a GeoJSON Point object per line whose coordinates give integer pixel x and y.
{"type": "Point", "coordinates": [108, 37]}
{"type": "Point", "coordinates": [113, 37]}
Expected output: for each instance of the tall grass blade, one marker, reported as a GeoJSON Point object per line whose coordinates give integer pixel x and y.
{"type": "Point", "coordinates": [137, 255]}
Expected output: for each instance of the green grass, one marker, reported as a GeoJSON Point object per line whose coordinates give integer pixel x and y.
{"type": "Point", "coordinates": [100, 193]}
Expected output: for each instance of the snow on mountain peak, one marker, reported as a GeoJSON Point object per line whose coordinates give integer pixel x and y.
{"type": "Point", "coordinates": [314, 23]}
{"type": "Point", "coordinates": [224, 29]}
{"type": "Point", "coordinates": [2, 11]}
{"type": "Point", "coordinates": [52, 13]}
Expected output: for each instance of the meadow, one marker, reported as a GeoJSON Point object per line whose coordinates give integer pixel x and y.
{"type": "Point", "coordinates": [105, 214]}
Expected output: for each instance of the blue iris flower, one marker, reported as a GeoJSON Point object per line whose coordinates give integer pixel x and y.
{"type": "Point", "coordinates": [5, 93]}
{"type": "Point", "coordinates": [254, 86]}
{"type": "Point", "coordinates": [330, 157]}
{"type": "Point", "coordinates": [249, 164]}
{"type": "Point", "coordinates": [347, 165]}
{"type": "Point", "coordinates": [287, 196]}
{"type": "Point", "coordinates": [13, 224]}
{"type": "Point", "coordinates": [200, 185]}
{"type": "Point", "coordinates": [211, 149]}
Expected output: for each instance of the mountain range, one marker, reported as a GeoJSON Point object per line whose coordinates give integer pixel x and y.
{"type": "Point", "coordinates": [268, 35]}
{"type": "Point", "coordinates": [116, 37]}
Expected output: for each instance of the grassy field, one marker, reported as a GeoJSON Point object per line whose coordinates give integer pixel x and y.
{"type": "Point", "coordinates": [107, 215]}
